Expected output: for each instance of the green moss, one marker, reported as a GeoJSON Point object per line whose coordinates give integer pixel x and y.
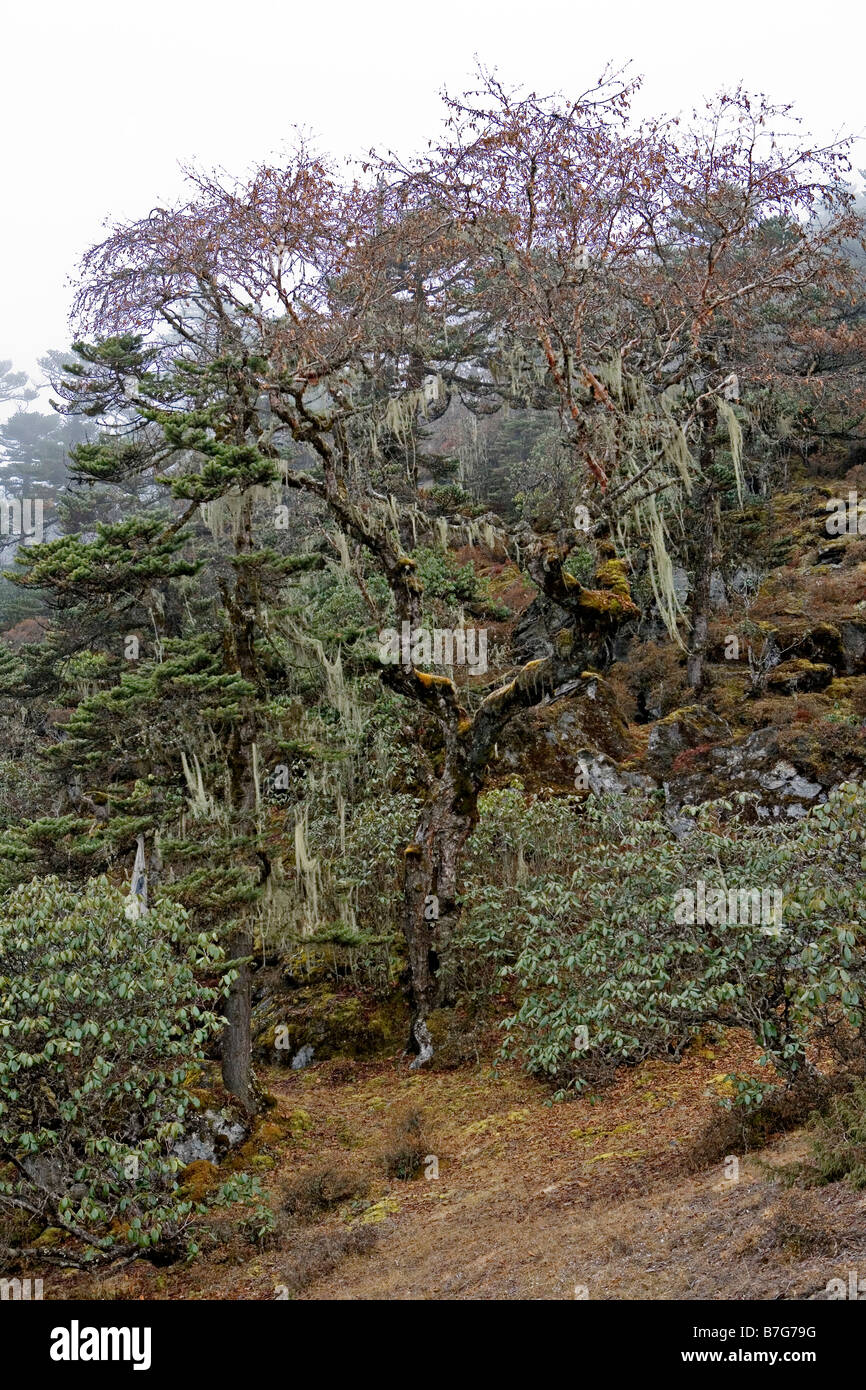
{"type": "Point", "coordinates": [299, 1121]}
{"type": "Point", "coordinates": [52, 1235]}
{"type": "Point", "coordinates": [799, 674]}
{"type": "Point", "coordinates": [607, 605]}
{"type": "Point", "coordinates": [333, 1022]}
{"type": "Point", "coordinates": [612, 575]}
{"type": "Point", "coordinates": [269, 1133]}
{"type": "Point", "coordinates": [380, 1211]}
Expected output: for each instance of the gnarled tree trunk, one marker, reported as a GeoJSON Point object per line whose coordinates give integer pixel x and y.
{"type": "Point", "coordinates": [430, 894]}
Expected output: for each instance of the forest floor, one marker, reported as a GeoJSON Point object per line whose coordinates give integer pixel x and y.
{"type": "Point", "coordinates": [600, 1197]}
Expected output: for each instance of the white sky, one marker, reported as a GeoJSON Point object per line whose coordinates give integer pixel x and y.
{"type": "Point", "coordinates": [101, 99]}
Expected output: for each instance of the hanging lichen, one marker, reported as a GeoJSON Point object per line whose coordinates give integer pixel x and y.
{"type": "Point", "coordinates": [340, 695]}
{"type": "Point", "coordinates": [256, 775]}
{"type": "Point", "coordinates": [224, 516]}
{"type": "Point", "coordinates": [342, 546]}
{"type": "Point", "coordinates": [202, 805]}
{"type": "Point", "coordinates": [659, 564]}
{"type": "Point", "coordinates": [735, 443]}
{"type": "Point", "coordinates": [610, 374]}
{"type": "Point", "coordinates": [308, 874]}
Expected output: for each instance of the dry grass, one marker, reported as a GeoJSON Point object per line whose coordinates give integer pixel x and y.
{"type": "Point", "coordinates": [531, 1198]}
{"type": "Point", "coordinates": [323, 1189]}
{"type": "Point", "coordinates": [321, 1255]}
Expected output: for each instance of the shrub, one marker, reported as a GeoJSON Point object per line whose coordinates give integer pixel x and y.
{"type": "Point", "coordinates": [320, 1254]}
{"type": "Point", "coordinates": [445, 579]}
{"type": "Point", "coordinates": [604, 972]}
{"type": "Point", "coordinates": [741, 1129]}
{"type": "Point", "coordinates": [407, 1147]}
{"type": "Point", "coordinates": [102, 1022]}
{"type": "Point", "coordinates": [244, 1190]}
{"type": "Point", "coordinates": [839, 1148]}
{"type": "Point", "coordinates": [803, 1226]}
{"type": "Point", "coordinates": [322, 1190]}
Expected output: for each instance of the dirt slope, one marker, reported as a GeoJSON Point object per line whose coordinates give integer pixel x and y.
{"type": "Point", "coordinates": [532, 1200]}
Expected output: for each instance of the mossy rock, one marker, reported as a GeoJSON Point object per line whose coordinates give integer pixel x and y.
{"type": "Point", "coordinates": [52, 1235]}
{"type": "Point", "coordinates": [821, 642]}
{"type": "Point", "coordinates": [457, 1040]}
{"type": "Point", "coordinates": [854, 645]}
{"type": "Point", "coordinates": [331, 1021]}
{"type": "Point", "coordinates": [198, 1178]}
{"type": "Point", "coordinates": [777, 764]}
{"type": "Point", "coordinates": [543, 745]}
{"type": "Point", "coordinates": [848, 693]}
{"type": "Point", "coordinates": [845, 687]}
{"type": "Point", "coordinates": [729, 698]}
{"type": "Point", "coordinates": [825, 750]}
{"type": "Point", "coordinates": [799, 675]}
{"type": "Point", "coordinates": [692, 727]}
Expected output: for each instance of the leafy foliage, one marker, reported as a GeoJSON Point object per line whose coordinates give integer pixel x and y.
{"type": "Point", "coordinates": [102, 1023]}
{"type": "Point", "coordinates": [605, 973]}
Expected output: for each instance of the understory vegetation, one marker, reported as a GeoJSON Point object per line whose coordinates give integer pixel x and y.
{"type": "Point", "coordinates": [443, 666]}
